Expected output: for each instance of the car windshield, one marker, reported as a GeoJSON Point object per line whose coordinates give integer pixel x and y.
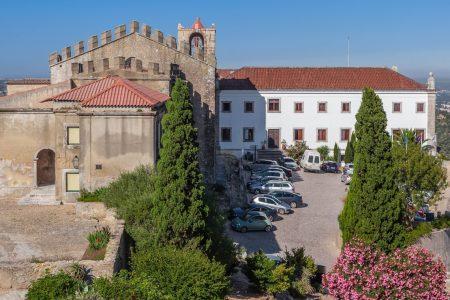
{"type": "Point", "coordinates": [289, 160]}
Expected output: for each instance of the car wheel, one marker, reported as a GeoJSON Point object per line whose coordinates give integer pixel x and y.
{"type": "Point", "coordinates": [294, 204]}
{"type": "Point", "coordinates": [270, 218]}
{"type": "Point", "coordinates": [244, 229]}
{"type": "Point", "coordinates": [268, 228]}
{"type": "Point", "coordinates": [281, 211]}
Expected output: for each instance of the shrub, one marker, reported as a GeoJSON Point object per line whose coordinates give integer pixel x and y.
{"type": "Point", "coordinates": [364, 272]}
{"type": "Point", "coordinates": [441, 222]}
{"type": "Point", "coordinates": [305, 270]}
{"type": "Point", "coordinates": [323, 151]}
{"type": "Point", "coordinates": [259, 270]}
{"type": "Point", "coordinates": [95, 196]}
{"type": "Point", "coordinates": [99, 238]}
{"type": "Point", "coordinates": [58, 286]}
{"type": "Point", "coordinates": [125, 286]}
{"type": "Point", "coordinates": [80, 272]}
{"type": "Point", "coordinates": [297, 150]}
{"type": "Point", "coordinates": [422, 229]}
{"type": "Point", "coordinates": [281, 279]}
{"type": "Point", "coordinates": [181, 273]}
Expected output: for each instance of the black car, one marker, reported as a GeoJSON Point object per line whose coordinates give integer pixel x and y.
{"type": "Point", "coordinates": [330, 167]}
{"type": "Point", "coordinates": [293, 199]}
{"type": "Point", "coordinates": [242, 211]}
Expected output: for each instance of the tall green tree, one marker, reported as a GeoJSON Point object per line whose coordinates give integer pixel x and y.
{"type": "Point", "coordinates": [420, 175]}
{"type": "Point", "coordinates": [179, 210]}
{"type": "Point", "coordinates": [375, 208]}
{"type": "Point", "coordinates": [336, 153]}
{"type": "Point", "coordinates": [323, 151]}
{"type": "Point", "coordinates": [349, 150]}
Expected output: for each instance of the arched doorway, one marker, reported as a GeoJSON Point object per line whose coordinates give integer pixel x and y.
{"type": "Point", "coordinates": [45, 167]}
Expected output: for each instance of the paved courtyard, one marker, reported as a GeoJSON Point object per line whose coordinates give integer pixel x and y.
{"type": "Point", "coordinates": [315, 226]}
{"type": "Point", "coordinates": [41, 232]}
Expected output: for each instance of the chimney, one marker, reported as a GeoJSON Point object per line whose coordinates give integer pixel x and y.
{"type": "Point", "coordinates": [93, 42]}
{"type": "Point", "coordinates": [134, 27]}
{"type": "Point", "coordinates": [431, 82]}
{"type": "Point", "coordinates": [120, 31]}
{"type": "Point", "coordinates": [79, 48]}
{"type": "Point", "coordinates": [106, 37]}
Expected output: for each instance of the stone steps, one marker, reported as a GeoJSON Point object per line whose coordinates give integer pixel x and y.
{"type": "Point", "coordinates": [40, 196]}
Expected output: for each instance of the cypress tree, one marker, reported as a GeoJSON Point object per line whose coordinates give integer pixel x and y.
{"type": "Point", "coordinates": [374, 210]}
{"type": "Point", "coordinates": [179, 212]}
{"type": "Point", "coordinates": [336, 153]}
{"type": "Point", "coordinates": [349, 150]}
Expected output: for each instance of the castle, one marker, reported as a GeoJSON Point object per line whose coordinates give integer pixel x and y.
{"type": "Point", "coordinates": [101, 112]}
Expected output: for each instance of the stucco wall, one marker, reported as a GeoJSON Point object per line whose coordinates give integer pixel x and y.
{"type": "Point", "coordinates": [118, 142]}
{"type": "Point", "coordinates": [310, 120]}
{"type": "Point", "coordinates": [17, 88]}
{"type": "Point", "coordinates": [22, 136]}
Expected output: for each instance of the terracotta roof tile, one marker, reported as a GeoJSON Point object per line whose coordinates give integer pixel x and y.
{"type": "Point", "coordinates": [280, 78]}
{"type": "Point", "coordinates": [112, 91]}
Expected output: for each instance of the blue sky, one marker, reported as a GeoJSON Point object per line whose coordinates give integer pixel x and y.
{"type": "Point", "coordinates": [414, 35]}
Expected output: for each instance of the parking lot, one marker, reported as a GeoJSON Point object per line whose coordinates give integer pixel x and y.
{"type": "Point", "coordinates": [314, 226]}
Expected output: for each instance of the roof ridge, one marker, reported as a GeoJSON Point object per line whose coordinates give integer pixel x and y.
{"type": "Point", "coordinates": [129, 84]}
{"type": "Point", "coordinates": [76, 88]}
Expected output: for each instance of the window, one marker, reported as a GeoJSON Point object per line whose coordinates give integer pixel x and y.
{"type": "Point", "coordinates": [72, 182]}
{"type": "Point", "coordinates": [73, 135]}
{"type": "Point", "coordinates": [226, 106]}
{"type": "Point", "coordinates": [322, 107]}
{"type": "Point", "coordinates": [345, 134]}
{"type": "Point", "coordinates": [345, 107]}
{"type": "Point", "coordinates": [321, 135]}
{"type": "Point", "coordinates": [316, 159]}
{"type": "Point", "coordinates": [420, 107]}
{"type": "Point", "coordinates": [274, 105]}
{"type": "Point", "coordinates": [396, 107]}
{"type": "Point", "coordinates": [420, 135]}
{"type": "Point", "coordinates": [298, 134]}
{"type": "Point", "coordinates": [396, 133]}
{"type": "Point", "coordinates": [248, 134]}
{"type": "Point", "coordinates": [248, 107]}
{"type": "Point", "coordinates": [298, 107]}
{"type": "Point", "coordinates": [310, 159]}
{"type": "Point", "coordinates": [225, 134]}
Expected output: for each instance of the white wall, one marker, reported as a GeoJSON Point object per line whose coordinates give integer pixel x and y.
{"type": "Point", "coordinates": [310, 119]}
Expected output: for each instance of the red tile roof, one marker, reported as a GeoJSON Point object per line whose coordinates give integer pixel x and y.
{"type": "Point", "coordinates": [263, 78]}
{"type": "Point", "coordinates": [112, 91]}
{"type": "Point", "coordinates": [223, 73]}
{"type": "Point", "coordinates": [198, 24]}
{"type": "Point", "coordinates": [29, 81]}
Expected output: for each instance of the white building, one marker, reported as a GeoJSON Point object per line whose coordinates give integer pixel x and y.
{"type": "Point", "coordinates": [269, 106]}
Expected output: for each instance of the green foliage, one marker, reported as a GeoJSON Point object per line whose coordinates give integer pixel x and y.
{"type": "Point", "coordinates": [323, 151]}
{"type": "Point", "coordinates": [58, 286]}
{"type": "Point", "coordinates": [95, 196]}
{"type": "Point", "coordinates": [375, 207]}
{"type": "Point", "coordinates": [259, 270]}
{"type": "Point", "coordinates": [441, 222]}
{"type": "Point", "coordinates": [125, 286]}
{"type": "Point", "coordinates": [443, 131]}
{"type": "Point", "coordinates": [349, 154]}
{"type": "Point", "coordinates": [336, 153]}
{"type": "Point", "coordinates": [420, 175]}
{"type": "Point", "coordinates": [281, 279]}
{"type": "Point", "coordinates": [179, 211]}
{"type": "Point", "coordinates": [422, 229]}
{"type": "Point", "coordinates": [99, 238]}
{"type": "Point", "coordinates": [304, 271]}
{"type": "Point", "coordinates": [182, 273]}
{"type": "Point", "coordinates": [296, 151]}
{"type": "Point", "coordinates": [79, 272]}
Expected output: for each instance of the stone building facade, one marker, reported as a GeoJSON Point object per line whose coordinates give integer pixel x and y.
{"type": "Point", "coordinates": [114, 137]}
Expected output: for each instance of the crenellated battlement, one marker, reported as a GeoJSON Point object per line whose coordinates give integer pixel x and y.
{"type": "Point", "coordinates": [109, 36]}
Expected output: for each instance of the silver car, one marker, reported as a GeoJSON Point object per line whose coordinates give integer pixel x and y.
{"type": "Point", "coordinates": [269, 174]}
{"type": "Point", "coordinates": [273, 203]}
{"type": "Point", "coordinates": [271, 186]}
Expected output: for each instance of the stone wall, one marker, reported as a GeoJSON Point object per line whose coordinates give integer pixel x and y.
{"type": "Point", "coordinates": [439, 243]}
{"type": "Point", "coordinates": [18, 88]}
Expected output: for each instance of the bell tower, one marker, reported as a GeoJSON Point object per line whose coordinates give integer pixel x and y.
{"type": "Point", "coordinates": [200, 41]}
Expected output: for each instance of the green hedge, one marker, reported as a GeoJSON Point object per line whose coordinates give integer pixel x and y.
{"type": "Point", "coordinates": [57, 286]}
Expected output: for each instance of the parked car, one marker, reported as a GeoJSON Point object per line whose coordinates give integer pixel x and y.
{"type": "Point", "coordinates": [293, 199]}
{"type": "Point", "coordinates": [267, 174]}
{"type": "Point", "coordinates": [261, 164]}
{"type": "Point", "coordinates": [330, 167]}
{"type": "Point", "coordinates": [289, 163]}
{"type": "Point", "coordinates": [311, 161]}
{"type": "Point", "coordinates": [242, 211]}
{"type": "Point", "coordinates": [287, 171]}
{"type": "Point", "coordinates": [347, 166]}
{"type": "Point", "coordinates": [272, 185]}
{"type": "Point", "coordinates": [273, 203]}
{"type": "Point", "coordinates": [346, 176]}
{"type": "Point", "coordinates": [255, 186]}
{"type": "Point", "coordinates": [252, 221]}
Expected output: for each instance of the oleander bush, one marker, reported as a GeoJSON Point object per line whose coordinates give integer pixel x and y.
{"type": "Point", "coordinates": [364, 272]}
{"type": "Point", "coordinates": [54, 286]}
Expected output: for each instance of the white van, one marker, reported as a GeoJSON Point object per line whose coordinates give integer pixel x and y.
{"type": "Point", "coordinates": [311, 161]}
